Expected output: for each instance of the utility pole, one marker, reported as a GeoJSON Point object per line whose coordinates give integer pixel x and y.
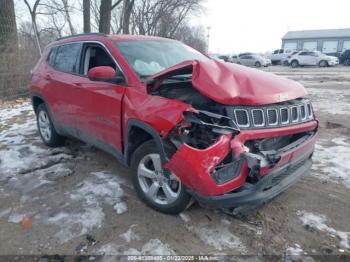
{"type": "Point", "coordinates": [208, 38]}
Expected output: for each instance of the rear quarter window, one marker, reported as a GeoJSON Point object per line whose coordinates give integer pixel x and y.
{"type": "Point", "coordinates": [66, 58]}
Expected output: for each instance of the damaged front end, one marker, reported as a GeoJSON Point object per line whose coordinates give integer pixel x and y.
{"type": "Point", "coordinates": [229, 155]}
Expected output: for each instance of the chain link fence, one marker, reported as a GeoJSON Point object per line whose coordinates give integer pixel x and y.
{"type": "Point", "coordinates": [15, 69]}
{"type": "Point", "coordinates": [18, 55]}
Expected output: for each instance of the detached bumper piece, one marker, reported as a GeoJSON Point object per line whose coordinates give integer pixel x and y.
{"type": "Point", "coordinates": [264, 190]}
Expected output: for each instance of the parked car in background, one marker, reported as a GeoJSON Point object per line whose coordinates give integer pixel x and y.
{"type": "Point", "coordinates": [226, 58]}
{"type": "Point", "coordinates": [286, 62]}
{"type": "Point", "coordinates": [187, 126]}
{"type": "Point", "coordinates": [279, 56]}
{"type": "Point", "coordinates": [345, 57]}
{"type": "Point", "coordinates": [253, 60]}
{"type": "Point", "coordinates": [312, 58]}
{"type": "Point", "coordinates": [234, 58]}
{"type": "Point", "coordinates": [216, 57]}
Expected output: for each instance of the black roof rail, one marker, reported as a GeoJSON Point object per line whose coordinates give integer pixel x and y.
{"type": "Point", "coordinates": [69, 36]}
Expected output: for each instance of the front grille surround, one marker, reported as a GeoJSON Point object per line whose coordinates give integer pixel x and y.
{"type": "Point", "coordinates": [273, 115]}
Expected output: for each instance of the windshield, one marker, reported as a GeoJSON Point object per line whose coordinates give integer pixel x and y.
{"type": "Point", "coordinates": [148, 57]}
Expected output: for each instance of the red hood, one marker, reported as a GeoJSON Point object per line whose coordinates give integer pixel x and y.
{"type": "Point", "coordinates": [233, 84]}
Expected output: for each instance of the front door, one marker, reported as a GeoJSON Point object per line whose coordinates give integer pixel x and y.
{"type": "Point", "coordinates": [100, 103]}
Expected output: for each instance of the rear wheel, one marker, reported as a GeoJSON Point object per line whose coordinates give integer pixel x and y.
{"type": "Point", "coordinates": [257, 64]}
{"type": "Point", "coordinates": [294, 63]}
{"type": "Point", "coordinates": [158, 187]}
{"type": "Point", "coordinates": [46, 129]}
{"type": "Point", "coordinates": [323, 63]}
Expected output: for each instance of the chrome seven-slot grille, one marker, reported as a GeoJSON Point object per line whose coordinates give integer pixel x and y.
{"type": "Point", "coordinates": [274, 115]}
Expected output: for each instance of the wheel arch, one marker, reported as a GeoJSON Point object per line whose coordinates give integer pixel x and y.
{"type": "Point", "coordinates": [37, 99]}
{"type": "Point", "coordinates": [138, 132]}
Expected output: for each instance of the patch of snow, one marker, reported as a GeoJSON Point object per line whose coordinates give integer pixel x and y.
{"type": "Point", "coordinates": [318, 222]}
{"type": "Point", "coordinates": [156, 247]}
{"type": "Point", "coordinates": [337, 105]}
{"type": "Point", "coordinates": [130, 235]}
{"type": "Point", "coordinates": [186, 218]}
{"type": "Point", "coordinates": [152, 247]}
{"type": "Point", "coordinates": [91, 194]}
{"type": "Point", "coordinates": [218, 236]}
{"type": "Point", "coordinates": [120, 207]}
{"type": "Point", "coordinates": [76, 224]}
{"type": "Point", "coordinates": [294, 250]}
{"type": "Point", "coordinates": [15, 218]}
{"type": "Point", "coordinates": [332, 162]}
{"type": "Point", "coordinates": [10, 112]}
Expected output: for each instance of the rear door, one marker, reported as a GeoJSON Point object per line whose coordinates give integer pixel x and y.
{"type": "Point", "coordinates": [61, 75]}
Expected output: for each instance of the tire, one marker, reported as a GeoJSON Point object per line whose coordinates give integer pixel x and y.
{"type": "Point", "coordinates": [323, 63]}
{"type": "Point", "coordinates": [294, 63]}
{"type": "Point", "coordinates": [168, 196]}
{"type": "Point", "coordinates": [257, 64]}
{"type": "Point", "coordinates": [46, 129]}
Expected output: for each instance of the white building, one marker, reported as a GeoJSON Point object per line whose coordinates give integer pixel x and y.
{"type": "Point", "coordinates": [326, 41]}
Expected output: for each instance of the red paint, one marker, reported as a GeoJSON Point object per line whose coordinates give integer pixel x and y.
{"type": "Point", "coordinates": [233, 84]}
{"type": "Point", "coordinates": [101, 72]}
{"type": "Point", "coordinates": [103, 109]}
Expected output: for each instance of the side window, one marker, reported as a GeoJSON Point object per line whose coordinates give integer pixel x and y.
{"type": "Point", "coordinates": [95, 55]}
{"type": "Point", "coordinates": [281, 51]}
{"type": "Point", "coordinates": [303, 53]}
{"type": "Point", "coordinates": [275, 52]}
{"type": "Point", "coordinates": [51, 56]}
{"type": "Point", "coordinates": [67, 58]}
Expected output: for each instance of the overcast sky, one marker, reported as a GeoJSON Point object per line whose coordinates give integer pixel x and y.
{"type": "Point", "coordinates": [258, 25]}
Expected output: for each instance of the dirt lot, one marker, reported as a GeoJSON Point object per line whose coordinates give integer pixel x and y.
{"type": "Point", "coordinates": [81, 201]}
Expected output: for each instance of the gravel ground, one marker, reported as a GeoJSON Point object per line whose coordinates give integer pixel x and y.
{"type": "Point", "coordinates": [78, 200]}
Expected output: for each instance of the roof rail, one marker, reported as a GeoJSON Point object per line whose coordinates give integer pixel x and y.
{"type": "Point", "coordinates": [65, 37]}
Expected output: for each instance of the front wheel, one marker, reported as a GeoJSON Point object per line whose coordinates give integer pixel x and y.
{"type": "Point", "coordinates": [158, 187]}
{"type": "Point", "coordinates": [257, 64]}
{"type": "Point", "coordinates": [323, 63]}
{"type": "Point", "coordinates": [295, 63]}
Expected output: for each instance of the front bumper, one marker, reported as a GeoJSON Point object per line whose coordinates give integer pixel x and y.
{"type": "Point", "coordinates": [267, 188]}
{"type": "Point", "coordinates": [333, 62]}
{"type": "Point", "coordinates": [195, 167]}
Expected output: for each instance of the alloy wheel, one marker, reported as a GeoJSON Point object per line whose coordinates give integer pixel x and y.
{"type": "Point", "coordinates": [44, 125]}
{"type": "Point", "coordinates": [159, 185]}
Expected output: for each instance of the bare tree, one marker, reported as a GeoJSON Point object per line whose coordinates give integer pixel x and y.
{"type": "Point", "coordinates": [86, 15]}
{"type": "Point", "coordinates": [8, 31]}
{"type": "Point", "coordinates": [106, 8]}
{"type": "Point", "coordinates": [105, 16]}
{"type": "Point", "coordinates": [67, 15]}
{"type": "Point", "coordinates": [162, 17]}
{"type": "Point", "coordinates": [127, 9]}
{"type": "Point", "coordinates": [33, 11]}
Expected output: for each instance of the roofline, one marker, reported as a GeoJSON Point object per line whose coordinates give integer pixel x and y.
{"type": "Point", "coordinates": [76, 35]}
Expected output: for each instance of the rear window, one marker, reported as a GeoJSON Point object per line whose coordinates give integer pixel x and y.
{"type": "Point", "coordinates": [66, 58]}
{"type": "Point", "coordinates": [52, 55]}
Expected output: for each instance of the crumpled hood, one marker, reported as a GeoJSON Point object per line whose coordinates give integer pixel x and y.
{"type": "Point", "coordinates": [232, 84]}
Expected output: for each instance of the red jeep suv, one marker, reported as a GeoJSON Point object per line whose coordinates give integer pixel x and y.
{"type": "Point", "coordinates": [187, 125]}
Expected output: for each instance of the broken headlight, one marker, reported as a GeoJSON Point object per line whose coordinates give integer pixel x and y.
{"type": "Point", "coordinates": [201, 129]}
